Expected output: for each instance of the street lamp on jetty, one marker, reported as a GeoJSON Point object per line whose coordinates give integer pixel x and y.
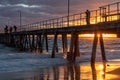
{"type": "Point", "coordinates": [20, 18]}
{"type": "Point", "coordinates": [68, 12]}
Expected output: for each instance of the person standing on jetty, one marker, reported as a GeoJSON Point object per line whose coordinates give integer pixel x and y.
{"type": "Point", "coordinates": [6, 29]}
{"type": "Point", "coordinates": [87, 17]}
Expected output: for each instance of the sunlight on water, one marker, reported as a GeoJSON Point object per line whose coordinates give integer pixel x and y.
{"type": "Point", "coordinates": [101, 66]}
{"type": "Point", "coordinates": [79, 72]}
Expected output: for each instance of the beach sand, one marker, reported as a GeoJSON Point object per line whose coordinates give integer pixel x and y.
{"type": "Point", "coordinates": [82, 71]}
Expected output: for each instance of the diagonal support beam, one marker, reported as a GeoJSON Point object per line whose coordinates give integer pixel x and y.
{"type": "Point", "coordinates": [102, 48]}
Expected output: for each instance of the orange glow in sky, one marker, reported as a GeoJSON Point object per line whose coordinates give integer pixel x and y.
{"type": "Point", "coordinates": [89, 35]}
{"type": "Point", "coordinates": [92, 35]}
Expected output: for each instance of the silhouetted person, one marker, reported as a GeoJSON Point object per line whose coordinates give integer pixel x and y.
{"type": "Point", "coordinates": [15, 28]}
{"type": "Point", "coordinates": [87, 17]}
{"type": "Point", "coordinates": [10, 29]}
{"type": "Point", "coordinates": [6, 29]}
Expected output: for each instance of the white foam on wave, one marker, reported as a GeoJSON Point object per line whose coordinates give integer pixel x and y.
{"type": "Point", "coordinates": [24, 61]}
{"type": "Point", "coordinates": [13, 62]}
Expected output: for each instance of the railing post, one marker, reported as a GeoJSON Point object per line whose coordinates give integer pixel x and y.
{"type": "Point", "coordinates": [46, 25]}
{"type": "Point", "coordinates": [118, 16]}
{"type": "Point", "coordinates": [100, 15]}
{"type": "Point", "coordinates": [96, 16]}
{"type": "Point", "coordinates": [53, 23]}
{"type": "Point", "coordinates": [40, 25]}
{"type": "Point", "coordinates": [77, 21]}
{"type": "Point", "coordinates": [74, 20]}
{"type": "Point", "coordinates": [104, 12]}
{"type": "Point", "coordinates": [62, 21]}
{"type": "Point", "coordinates": [108, 12]}
{"type": "Point", "coordinates": [43, 25]}
{"type": "Point", "coordinates": [57, 23]}
{"type": "Point", "coordinates": [50, 24]}
{"type": "Point", "coordinates": [80, 19]}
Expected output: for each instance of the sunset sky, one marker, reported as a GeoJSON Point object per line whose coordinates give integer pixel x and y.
{"type": "Point", "coordinates": [37, 10]}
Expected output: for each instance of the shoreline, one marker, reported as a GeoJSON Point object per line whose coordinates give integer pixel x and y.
{"type": "Point", "coordinates": [111, 70]}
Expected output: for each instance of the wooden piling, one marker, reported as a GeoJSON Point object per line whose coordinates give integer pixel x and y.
{"type": "Point", "coordinates": [18, 42]}
{"type": "Point", "coordinates": [93, 56]}
{"type": "Point", "coordinates": [54, 46]}
{"type": "Point", "coordinates": [24, 42]}
{"type": "Point", "coordinates": [29, 40]}
{"type": "Point", "coordinates": [76, 46]}
{"type": "Point", "coordinates": [102, 48]}
{"type": "Point", "coordinates": [40, 43]}
{"type": "Point", "coordinates": [70, 53]}
{"type": "Point", "coordinates": [46, 41]}
{"type": "Point", "coordinates": [15, 42]}
{"type": "Point", "coordinates": [11, 40]}
{"type": "Point", "coordinates": [21, 42]}
{"type": "Point", "coordinates": [33, 42]}
{"type": "Point", "coordinates": [37, 41]}
{"type": "Point", "coordinates": [64, 43]}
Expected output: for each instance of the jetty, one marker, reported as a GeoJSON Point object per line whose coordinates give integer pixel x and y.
{"type": "Point", "coordinates": [104, 20]}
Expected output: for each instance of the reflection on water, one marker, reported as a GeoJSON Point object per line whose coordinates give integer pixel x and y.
{"type": "Point", "coordinates": [98, 71]}
{"type": "Point", "coordinates": [77, 72]}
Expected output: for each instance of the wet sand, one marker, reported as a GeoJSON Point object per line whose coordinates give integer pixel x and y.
{"type": "Point", "coordinates": [110, 71]}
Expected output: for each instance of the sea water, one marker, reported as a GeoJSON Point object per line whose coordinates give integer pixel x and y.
{"type": "Point", "coordinates": [16, 65]}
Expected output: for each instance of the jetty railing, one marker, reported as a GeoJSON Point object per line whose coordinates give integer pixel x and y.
{"type": "Point", "coordinates": [105, 13]}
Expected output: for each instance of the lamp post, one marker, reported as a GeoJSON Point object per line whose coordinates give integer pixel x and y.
{"type": "Point", "coordinates": [20, 18]}
{"type": "Point", "coordinates": [8, 21]}
{"type": "Point", "coordinates": [68, 12]}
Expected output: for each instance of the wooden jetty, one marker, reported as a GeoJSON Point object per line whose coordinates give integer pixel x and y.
{"type": "Point", "coordinates": [106, 19]}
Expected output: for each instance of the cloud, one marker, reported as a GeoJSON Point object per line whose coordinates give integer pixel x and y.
{"type": "Point", "coordinates": [37, 10]}
{"type": "Point", "coordinates": [21, 5]}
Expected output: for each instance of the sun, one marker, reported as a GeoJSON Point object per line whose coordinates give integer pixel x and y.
{"type": "Point", "coordinates": [98, 35]}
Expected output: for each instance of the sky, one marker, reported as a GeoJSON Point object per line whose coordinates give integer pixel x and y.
{"type": "Point", "coordinates": [39, 10]}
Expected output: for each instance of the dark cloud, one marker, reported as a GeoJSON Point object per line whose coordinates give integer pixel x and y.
{"type": "Point", "coordinates": [36, 10]}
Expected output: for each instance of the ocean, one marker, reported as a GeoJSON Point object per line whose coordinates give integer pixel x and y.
{"type": "Point", "coordinates": [18, 65]}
